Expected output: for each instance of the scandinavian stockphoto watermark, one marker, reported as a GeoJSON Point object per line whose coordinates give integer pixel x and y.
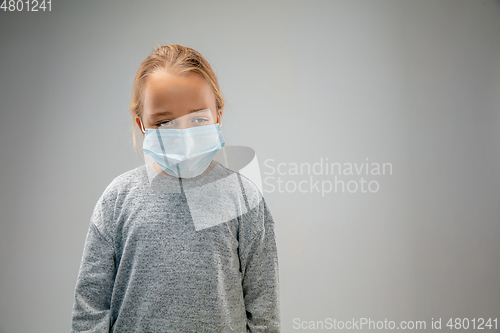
{"type": "Point", "coordinates": [324, 177]}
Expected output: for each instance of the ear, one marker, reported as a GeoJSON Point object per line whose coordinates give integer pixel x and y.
{"type": "Point", "coordinates": [220, 117]}
{"type": "Point", "coordinates": [140, 125]}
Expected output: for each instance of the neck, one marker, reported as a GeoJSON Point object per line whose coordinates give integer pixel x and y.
{"type": "Point", "coordinates": [160, 170]}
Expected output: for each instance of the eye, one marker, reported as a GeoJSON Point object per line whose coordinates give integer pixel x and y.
{"type": "Point", "coordinates": [164, 123]}
{"type": "Point", "coordinates": [199, 120]}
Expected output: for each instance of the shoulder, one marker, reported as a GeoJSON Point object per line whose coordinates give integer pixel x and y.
{"type": "Point", "coordinates": [110, 200]}
{"type": "Point", "coordinates": [121, 186]}
{"type": "Point", "coordinates": [256, 217]}
{"type": "Point", "coordinates": [126, 181]}
{"type": "Point", "coordinates": [248, 187]}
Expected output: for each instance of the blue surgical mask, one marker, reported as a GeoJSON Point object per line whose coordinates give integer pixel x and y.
{"type": "Point", "coordinates": [183, 153]}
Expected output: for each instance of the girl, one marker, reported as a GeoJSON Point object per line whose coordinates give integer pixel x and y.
{"type": "Point", "coordinates": [182, 243]}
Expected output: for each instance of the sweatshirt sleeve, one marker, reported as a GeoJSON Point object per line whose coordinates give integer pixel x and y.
{"type": "Point", "coordinates": [94, 285]}
{"type": "Point", "coordinates": [259, 265]}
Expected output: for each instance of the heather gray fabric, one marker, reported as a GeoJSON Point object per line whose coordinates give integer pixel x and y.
{"type": "Point", "coordinates": [146, 267]}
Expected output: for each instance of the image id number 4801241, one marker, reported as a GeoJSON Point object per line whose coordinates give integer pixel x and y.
{"type": "Point", "coordinates": [26, 6]}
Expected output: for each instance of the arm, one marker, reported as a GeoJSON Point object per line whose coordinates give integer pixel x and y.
{"type": "Point", "coordinates": [94, 285]}
{"type": "Point", "coordinates": [259, 265]}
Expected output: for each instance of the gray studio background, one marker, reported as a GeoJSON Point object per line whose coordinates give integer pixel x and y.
{"type": "Point", "coordinates": [412, 83]}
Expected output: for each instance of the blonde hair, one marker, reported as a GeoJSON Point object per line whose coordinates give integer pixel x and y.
{"type": "Point", "coordinates": [176, 59]}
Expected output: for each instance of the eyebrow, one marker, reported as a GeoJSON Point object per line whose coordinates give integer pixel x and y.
{"type": "Point", "coordinates": [168, 113]}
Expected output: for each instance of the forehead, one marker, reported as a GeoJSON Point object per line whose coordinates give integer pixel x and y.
{"type": "Point", "coordinates": [176, 91]}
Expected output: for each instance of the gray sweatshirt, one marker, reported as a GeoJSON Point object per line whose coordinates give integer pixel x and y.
{"type": "Point", "coordinates": [164, 254]}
